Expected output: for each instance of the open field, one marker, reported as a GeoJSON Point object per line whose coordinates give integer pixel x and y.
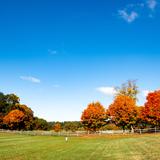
{"type": "Point", "coordinates": [111, 147]}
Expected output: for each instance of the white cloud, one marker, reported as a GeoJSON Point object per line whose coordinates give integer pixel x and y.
{"type": "Point", "coordinates": [128, 17]}
{"type": "Point", "coordinates": [145, 93]}
{"type": "Point", "coordinates": [152, 4]}
{"type": "Point", "coordinates": [30, 78]}
{"type": "Point", "coordinates": [110, 91]}
{"type": "Point", "coordinates": [134, 10]}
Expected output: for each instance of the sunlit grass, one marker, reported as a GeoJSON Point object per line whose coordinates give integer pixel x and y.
{"type": "Point", "coordinates": [112, 147]}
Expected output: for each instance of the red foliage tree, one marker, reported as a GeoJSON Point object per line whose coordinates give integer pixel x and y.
{"type": "Point", "coordinates": [123, 111]}
{"type": "Point", "coordinates": [151, 111]}
{"type": "Point", "coordinates": [14, 119]}
{"type": "Point", "coordinates": [93, 118]}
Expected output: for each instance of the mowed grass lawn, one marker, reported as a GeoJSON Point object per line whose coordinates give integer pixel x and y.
{"type": "Point", "coordinates": [112, 147]}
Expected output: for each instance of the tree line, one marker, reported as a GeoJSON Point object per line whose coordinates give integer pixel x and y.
{"type": "Point", "coordinates": [124, 111]}
{"type": "Point", "coordinates": [16, 116]}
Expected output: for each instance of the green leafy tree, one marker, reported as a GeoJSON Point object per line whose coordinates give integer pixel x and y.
{"type": "Point", "coordinates": [2, 108]}
{"type": "Point", "coordinates": [12, 99]}
{"type": "Point", "coordinates": [71, 126]}
{"type": "Point", "coordinates": [7, 102]}
{"type": "Point", "coordinates": [40, 124]}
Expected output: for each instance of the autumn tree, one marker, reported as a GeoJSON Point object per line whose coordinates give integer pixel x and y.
{"type": "Point", "coordinates": [93, 117]}
{"type": "Point", "coordinates": [28, 120]}
{"type": "Point", "coordinates": [129, 89]}
{"type": "Point", "coordinates": [123, 111]}
{"type": "Point", "coordinates": [140, 121]}
{"type": "Point", "coordinates": [9, 106]}
{"type": "Point", "coordinates": [57, 127]}
{"type": "Point", "coordinates": [151, 112]}
{"type": "Point", "coordinates": [14, 119]}
{"type": "Point", "coordinates": [24, 123]}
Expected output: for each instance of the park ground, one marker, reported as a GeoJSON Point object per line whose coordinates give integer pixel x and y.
{"type": "Point", "coordinates": [111, 147]}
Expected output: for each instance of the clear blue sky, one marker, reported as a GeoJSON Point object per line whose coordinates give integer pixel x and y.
{"type": "Point", "coordinates": [60, 55]}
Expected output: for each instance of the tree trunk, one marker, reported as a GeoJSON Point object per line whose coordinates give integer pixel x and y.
{"type": "Point", "coordinates": [132, 129]}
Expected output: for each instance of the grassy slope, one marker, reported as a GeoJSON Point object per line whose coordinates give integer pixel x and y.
{"type": "Point", "coordinates": [19, 147]}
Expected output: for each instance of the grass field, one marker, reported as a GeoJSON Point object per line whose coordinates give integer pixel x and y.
{"type": "Point", "coordinates": [117, 147]}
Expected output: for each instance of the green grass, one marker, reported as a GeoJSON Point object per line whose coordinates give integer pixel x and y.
{"type": "Point", "coordinates": [117, 147]}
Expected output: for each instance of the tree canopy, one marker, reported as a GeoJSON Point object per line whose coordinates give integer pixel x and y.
{"type": "Point", "coordinates": [14, 120]}
{"type": "Point", "coordinates": [123, 111]}
{"type": "Point", "coordinates": [93, 117]}
{"type": "Point", "coordinates": [151, 111]}
{"type": "Point", "coordinates": [129, 89]}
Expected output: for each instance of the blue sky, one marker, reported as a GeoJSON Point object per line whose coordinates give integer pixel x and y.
{"type": "Point", "coordinates": [60, 55]}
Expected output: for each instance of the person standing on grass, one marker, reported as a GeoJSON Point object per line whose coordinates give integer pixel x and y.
{"type": "Point", "coordinates": [66, 139]}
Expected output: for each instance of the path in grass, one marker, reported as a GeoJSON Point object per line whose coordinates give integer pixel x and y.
{"type": "Point", "coordinates": [20, 147]}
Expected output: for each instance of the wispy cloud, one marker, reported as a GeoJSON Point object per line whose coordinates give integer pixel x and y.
{"type": "Point", "coordinates": [52, 52]}
{"type": "Point", "coordinates": [110, 91]}
{"type": "Point", "coordinates": [128, 17]}
{"type": "Point", "coordinates": [30, 79]}
{"type": "Point", "coordinates": [152, 4]}
{"type": "Point", "coordinates": [132, 11]}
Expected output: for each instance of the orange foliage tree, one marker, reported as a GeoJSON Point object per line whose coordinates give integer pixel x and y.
{"type": "Point", "coordinates": [140, 121]}
{"type": "Point", "coordinates": [28, 119]}
{"type": "Point", "coordinates": [151, 111]}
{"type": "Point", "coordinates": [23, 119]}
{"type": "Point", "coordinates": [123, 111]}
{"type": "Point", "coordinates": [57, 127]}
{"type": "Point", "coordinates": [93, 118]}
{"type": "Point", "coordinates": [14, 119]}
